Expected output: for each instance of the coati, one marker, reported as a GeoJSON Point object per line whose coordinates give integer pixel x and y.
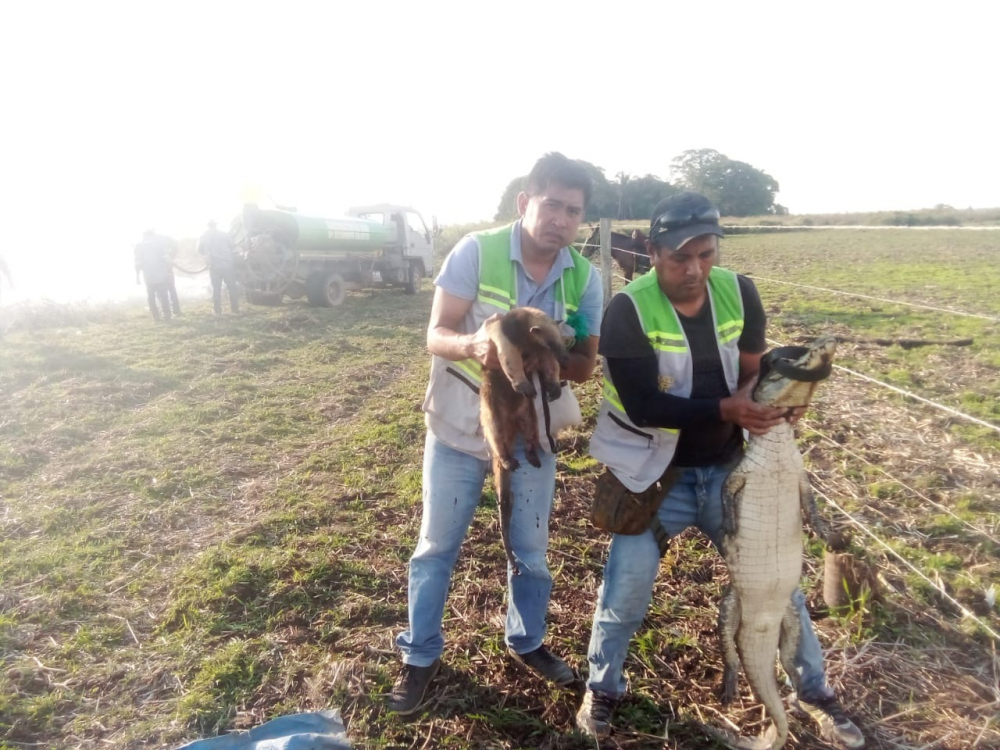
{"type": "Point", "coordinates": [528, 342]}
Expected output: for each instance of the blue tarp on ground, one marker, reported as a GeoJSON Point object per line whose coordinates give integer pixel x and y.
{"type": "Point", "coordinates": [322, 730]}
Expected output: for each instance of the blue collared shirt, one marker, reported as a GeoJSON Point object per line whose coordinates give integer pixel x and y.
{"type": "Point", "coordinates": [459, 277]}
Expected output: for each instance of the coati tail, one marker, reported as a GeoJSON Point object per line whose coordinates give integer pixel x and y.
{"type": "Point", "coordinates": [501, 479]}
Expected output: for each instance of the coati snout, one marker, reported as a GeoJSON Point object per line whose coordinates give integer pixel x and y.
{"type": "Point", "coordinates": [544, 335]}
{"type": "Point", "coordinates": [530, 341]}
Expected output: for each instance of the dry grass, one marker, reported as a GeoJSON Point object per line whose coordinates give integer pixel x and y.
{"type": "Point", "coordinates": [204, 527]}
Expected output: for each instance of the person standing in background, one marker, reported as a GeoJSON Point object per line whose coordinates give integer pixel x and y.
{"type": "Point", "coordinates": [153, 262]}
{"type": "Point", "coordinates": [171, 247]}
{"type": "Point", "coordinates": [216, 246]}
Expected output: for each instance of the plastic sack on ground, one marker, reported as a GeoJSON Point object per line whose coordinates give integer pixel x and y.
{"type": "Point", "coordinates": [321, 730]}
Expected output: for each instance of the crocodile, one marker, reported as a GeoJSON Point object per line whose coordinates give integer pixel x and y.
{"type": "Point", "coordinates": [764, 499]}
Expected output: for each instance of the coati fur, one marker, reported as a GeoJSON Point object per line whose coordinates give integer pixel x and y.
{"type": "Point", "coordinates": [528, 343]}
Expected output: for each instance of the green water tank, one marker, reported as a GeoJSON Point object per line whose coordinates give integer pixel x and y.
{"type": "Point", "coordinates": [312, 234]}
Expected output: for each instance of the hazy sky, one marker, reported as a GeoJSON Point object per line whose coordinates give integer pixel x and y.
{"type": "Point", "coordinates": [119, 116]}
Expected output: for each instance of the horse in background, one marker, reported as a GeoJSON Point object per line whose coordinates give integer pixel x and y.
{"type": "Point", "coordinates": [630, 252]}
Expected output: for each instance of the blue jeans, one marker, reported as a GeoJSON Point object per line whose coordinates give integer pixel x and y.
{"type": "Point", "coordinates": [694, 500]}
{"type": "Point", "coordinates": [452, 487]}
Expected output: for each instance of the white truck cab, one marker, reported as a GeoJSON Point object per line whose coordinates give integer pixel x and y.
{"type": "Point", "coordinates": [408, 227]}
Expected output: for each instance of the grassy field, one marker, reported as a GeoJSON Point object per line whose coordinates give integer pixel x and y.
{"type": "Point", "coordinates": [206, 524]}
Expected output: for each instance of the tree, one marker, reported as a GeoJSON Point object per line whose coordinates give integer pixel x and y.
{"type": "Point", "coordinates": [645, 192]}
{"type": "Point", "coordinates": [604, 199]}
{"type": "Point", "coordinates": [626, 197]}
{"type": "Point", "coordinates": [737, 188]}
{"type": "Point", "coordinates": [624, 207]}
{"type": "Point", "coordinates": [507, 210]}
{"type": "Point", "coordinates": [699, 169]}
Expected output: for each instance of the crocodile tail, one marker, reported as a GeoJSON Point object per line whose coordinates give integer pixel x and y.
{"type": "Point", "coordinates": [758, 664]}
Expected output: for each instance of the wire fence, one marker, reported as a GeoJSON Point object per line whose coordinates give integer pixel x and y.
{"type": "Point", "coordinates": [822, 490]}
{"type": "Point", "coordinates": [910, 394]}
{"type": "Point", "coordinates": [869, 532]}
{"type": "Point", "coordinates": [879, 299]}
{"type": "Point", "coordinates": [921, 495]}
{"type": "Point", "coordinates": [913, 569]}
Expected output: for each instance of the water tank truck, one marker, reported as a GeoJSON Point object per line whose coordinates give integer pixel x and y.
{"type": "Point", "coordinates": [286, 253]}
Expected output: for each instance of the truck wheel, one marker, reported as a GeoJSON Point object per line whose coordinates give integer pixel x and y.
{"type": "Point", "coordinates": [326, 290]}
{"type": "Point", "coordinates": [415, 279]}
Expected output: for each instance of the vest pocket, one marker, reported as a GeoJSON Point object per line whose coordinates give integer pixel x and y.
{"type": "Point", "coordinates": [635, 431]}
{"type": "Point", "coordinates": [623, 447]}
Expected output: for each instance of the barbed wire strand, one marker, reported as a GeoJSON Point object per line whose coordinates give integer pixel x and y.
{"type": "Point", "coordinates": [909, 394]}
{"type": "Point", "coordinates": [619, 249]}
{"type": "Point", "coordinates": [927, 401]}
{"type": "Point", "coordinates": [962, 608]}
{"type": "Point", "coordinates": [879, 299]}
{"type": "Point", "coordinates": [903, 484]}
{"type": "Point", "coordinates": [836, 291]}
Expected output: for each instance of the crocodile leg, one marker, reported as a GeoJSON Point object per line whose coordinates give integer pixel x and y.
{"type": "Point", "coordinates": [732, 492]}
{"type": "Point", "coordinates": [729, 623]}
{"type": "Point", "coordinates": [788, 643]}
{"type": "Point", "coordinates": [833, 540]}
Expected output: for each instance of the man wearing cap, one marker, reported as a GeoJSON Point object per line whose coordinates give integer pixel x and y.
{"type": "Point", "coordinates": [218, 248]}
{"type": "Point", "coordinates": [682, 348]}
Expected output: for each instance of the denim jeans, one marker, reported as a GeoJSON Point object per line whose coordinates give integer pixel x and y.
{"type": "Point", "coordinates": [694, 500]}
{"type": "Point", "coordinates": [452, 487]}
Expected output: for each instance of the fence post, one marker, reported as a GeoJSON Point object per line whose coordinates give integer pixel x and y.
{"type": "Point", "coordinates": [606, 266]}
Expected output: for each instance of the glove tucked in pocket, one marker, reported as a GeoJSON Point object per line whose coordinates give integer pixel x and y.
{"type": "Point", "coordinates": [620, 511]}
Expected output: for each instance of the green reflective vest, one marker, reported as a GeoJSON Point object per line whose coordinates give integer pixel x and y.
{"type": "Point", "coordinates": [451, 404]}
{"type": "Point", "coordinates": [639, 456]}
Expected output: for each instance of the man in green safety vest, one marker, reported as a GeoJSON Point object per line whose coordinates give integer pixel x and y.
{"type": "Point", "coordinates": [681, 348]}
{"type": "Point", "coordinates": [527, 264]}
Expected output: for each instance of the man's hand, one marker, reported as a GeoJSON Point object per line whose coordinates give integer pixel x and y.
{"type": "Point", "coordinates": [794, 414]}
{"type": "Point", "coordinates": [483, 350]}
{"type": "Point", "coordinates": [756, 418]}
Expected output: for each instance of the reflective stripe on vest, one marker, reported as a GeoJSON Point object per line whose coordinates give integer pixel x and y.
{"type": "Point", "coordinates": [611, 394]}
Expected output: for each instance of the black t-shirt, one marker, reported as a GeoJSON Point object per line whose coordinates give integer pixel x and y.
{"type": "Point", "coordinates": [705, 439]}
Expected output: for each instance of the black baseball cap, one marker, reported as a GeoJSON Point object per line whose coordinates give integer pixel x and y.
{"type": "Point", "coordinates": [681, 217]}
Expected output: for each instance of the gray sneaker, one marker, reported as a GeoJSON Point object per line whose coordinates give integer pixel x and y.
{"type": "Point", "coordinates": [546, 665]}
{"type": "Point", "coordinates": [834, 726]}
{"type": "Point", "coordinates": [411, 686]}
{"type": "Point", "coordinates": [594, 716]}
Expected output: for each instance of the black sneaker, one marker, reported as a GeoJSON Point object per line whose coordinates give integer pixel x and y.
{"type": "Point", "coordinates": [411, 687]}
{"type": "Point", "coordinates": [833, 723]}
{"type": "Point", "coordinates": [547, 665]}
{"type": "Point", "coordinates": [594, 716]}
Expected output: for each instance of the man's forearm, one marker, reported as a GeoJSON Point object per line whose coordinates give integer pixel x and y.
{"type": "Point", "coordinates": [582, 360]}
{"type": "Point", "coordinates": [579, 368]}
{"type": "Point", "coordinates": [636, 380]}
{"type": "Point", "coordinates": [450, 344]}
